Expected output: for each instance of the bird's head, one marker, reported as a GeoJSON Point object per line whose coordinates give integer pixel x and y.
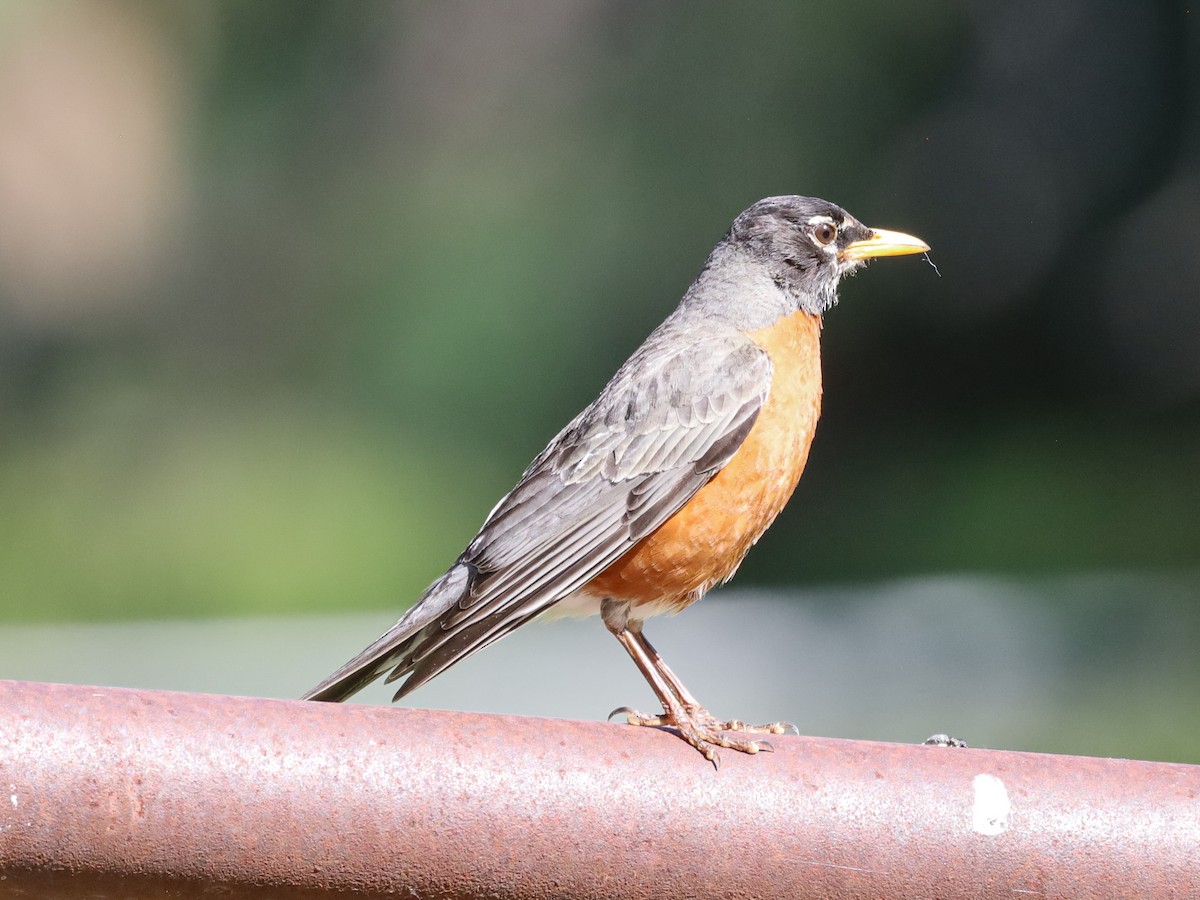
{"type": "Point", "coordinates": [809, 244]}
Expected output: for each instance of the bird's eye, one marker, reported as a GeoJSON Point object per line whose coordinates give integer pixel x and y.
{"type": "Point", "coordinates": [825, 233]}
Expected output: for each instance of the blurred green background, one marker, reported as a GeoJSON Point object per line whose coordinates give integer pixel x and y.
{"type": "Point", "coordinates": [290, 293]}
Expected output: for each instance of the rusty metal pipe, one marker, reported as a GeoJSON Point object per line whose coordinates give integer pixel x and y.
{"type": "Point", "coordinates": [118, 787]}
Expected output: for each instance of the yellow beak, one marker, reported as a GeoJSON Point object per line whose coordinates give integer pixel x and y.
{"type": "Point", "coordinates": [884, 243]}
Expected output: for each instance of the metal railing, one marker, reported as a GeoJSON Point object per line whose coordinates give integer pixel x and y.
{"type": "Point", "coordinates": [118, 793]}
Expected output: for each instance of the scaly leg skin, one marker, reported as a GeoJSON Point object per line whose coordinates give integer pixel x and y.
{"type": "Point", "coordinates": [693, 708]}
{"type": "Point", "coordinates": [681, 712]}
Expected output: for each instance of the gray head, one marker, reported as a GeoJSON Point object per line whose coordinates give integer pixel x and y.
{"type": "Point", "coordinates": [805, 246]}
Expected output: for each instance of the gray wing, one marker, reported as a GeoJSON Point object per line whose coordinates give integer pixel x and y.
{"type": "Point", "coordinates": [669, 420]}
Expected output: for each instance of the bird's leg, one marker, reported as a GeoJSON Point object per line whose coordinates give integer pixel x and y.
{"type": "Point", "coordinates": [691, 705]}
{"type": "Point", "coordinates": [692, 722]}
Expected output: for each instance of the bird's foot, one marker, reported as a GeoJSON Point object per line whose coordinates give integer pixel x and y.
{"type": "Point", "coordinates": [704, 731]}
{"type": "Point", "coordinates": [739, 726]}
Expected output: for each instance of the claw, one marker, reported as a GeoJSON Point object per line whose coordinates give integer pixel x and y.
{"type": "Point", "coordinates": [788, 728]}
{"type": "Point", "coordinates": [622, 711]}
{"type": "Point", "coordinates": [762, 746]}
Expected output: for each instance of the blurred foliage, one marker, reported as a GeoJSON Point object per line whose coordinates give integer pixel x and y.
{"type": "Point", "coordinates": [290, 292]}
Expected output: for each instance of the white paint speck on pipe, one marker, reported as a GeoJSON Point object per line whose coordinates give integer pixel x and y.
{"type": "Point", "coordinates": [992, 808]}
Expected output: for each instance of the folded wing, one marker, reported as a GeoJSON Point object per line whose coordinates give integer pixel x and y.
{"type": "Point", "coordinates": [661, 429]}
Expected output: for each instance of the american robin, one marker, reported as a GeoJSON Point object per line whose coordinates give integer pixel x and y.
{"type": "Point", "coordinates": [657, 490]}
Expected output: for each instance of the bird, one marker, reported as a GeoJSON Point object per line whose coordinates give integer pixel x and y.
{"type": "Point", "coordinates": [657, 490]}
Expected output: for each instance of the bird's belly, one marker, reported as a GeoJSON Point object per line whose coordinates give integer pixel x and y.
{"type": "Point", "coordinates": [703, 544]}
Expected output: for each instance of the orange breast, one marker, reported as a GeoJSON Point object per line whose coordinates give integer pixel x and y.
{"type": "Point", "coordinates": [703, 543]}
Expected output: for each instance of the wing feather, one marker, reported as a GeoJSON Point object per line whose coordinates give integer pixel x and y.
{"type": "Point", "coordinates": [670, 419]}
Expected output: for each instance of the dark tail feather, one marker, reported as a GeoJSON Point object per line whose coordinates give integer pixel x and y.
{"type": "Point", "coordinates": [393, 648]}
{"type": "Point", "coordinates": [349, 679]}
